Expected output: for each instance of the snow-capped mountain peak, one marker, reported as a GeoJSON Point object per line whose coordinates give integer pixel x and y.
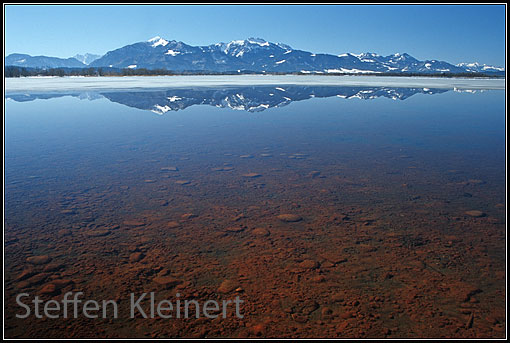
{"type": "Point", "coordinates": [480, 68]}
{"type": "Point", "coordinates": [470, 65]}
{"type": "Point", "coordinates": [239, 48]}
{"type": "Point", "coordinates": [154, 39]}
{"type": "Point", "coordinates": [157, 41]}
{"type": "Point", "coordinates": [284, 46]}
{"type": "Point", "coordinates": [259, 41]}
{"type": "Point", "coordinates": [367, 54]}
{"type": "Point", "coordinates": [86, 58]}
{"type": "Point", "coordinates": [400, 56]}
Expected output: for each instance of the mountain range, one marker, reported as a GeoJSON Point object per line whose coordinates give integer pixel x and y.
{"type": "Point", "coordinates": [249, 55]}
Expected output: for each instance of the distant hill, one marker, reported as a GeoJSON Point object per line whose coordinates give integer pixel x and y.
{"type": "Point", "coordinates": [22, 60]}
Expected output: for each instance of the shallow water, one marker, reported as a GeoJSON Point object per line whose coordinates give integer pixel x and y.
{"type": "Point", "coordinates": [119, 188]}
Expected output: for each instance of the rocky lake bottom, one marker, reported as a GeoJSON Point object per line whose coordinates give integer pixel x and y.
{"type": "Point", "coordinates": [359, 212]}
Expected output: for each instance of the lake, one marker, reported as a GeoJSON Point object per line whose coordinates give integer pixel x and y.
{"type": "Point", "coordinates": [347, 210]}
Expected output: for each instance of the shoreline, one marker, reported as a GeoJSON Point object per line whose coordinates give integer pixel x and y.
{"type": "Point", "coordinates": [68, 83]}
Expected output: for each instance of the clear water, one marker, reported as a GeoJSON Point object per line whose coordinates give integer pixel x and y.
{"type": "Point", "coordinates": [381, 178]}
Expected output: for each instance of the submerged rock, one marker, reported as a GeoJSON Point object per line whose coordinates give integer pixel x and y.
{"type": "Point", "coordinates": [25, 274]}
{"type": "Point", "coordinates": [239, 217]}
{"type": "Point", "coordinates": [173, 225]}
{"type": "Point", "coordinates": [169, 169]}
{"type": "Point", "coordinates": [252, 175]}
{"type": "Point", "coordinates": [133, 223]}
{"type": "Point", "coordinates": [136, 256]}
{"type": "Point", "coordinates": [225, 168]}
{"type": "Point", "coordinates": [55, 286]}
{"type": "Point", "coordinates": [51, 267]}
{"type": "Point", "coordinates": [42, 259]}
{"type": "Point", "coordinates": [475, 213]}
{"type": "Point", "coordinates": [227, 286]}
{"type": "Point", "coordinates": [234, 229]}
{"type": "Point", "coordinates": [334, 258]}
{"type": "Point", "coordinates": [166, 281]}
{"type": "Point", "coordinates": [288, 217]}
{"type": "Point", "coordinates": [309, 264]}
{"type": "Point", "coordinates": [48, 289]}
{"type": "Point", "coordinates": [97, 233]}
{"type": "Point", "coordinates": [34, 280]}
{"type": "Point", "coordinates": [261, 232]}
{"type": "Point", "coordinates": [314, 173]}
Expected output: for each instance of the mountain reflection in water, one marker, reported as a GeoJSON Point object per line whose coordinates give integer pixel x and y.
{"type": "Point", "coordinates": [251, 98]}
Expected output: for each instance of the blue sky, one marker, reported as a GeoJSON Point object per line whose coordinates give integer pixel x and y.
{"type": "Point", "coordinates": [451, 33]}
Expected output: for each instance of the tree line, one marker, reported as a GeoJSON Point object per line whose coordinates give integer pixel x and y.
{"type": "Point", "coordinates": [14, 71]}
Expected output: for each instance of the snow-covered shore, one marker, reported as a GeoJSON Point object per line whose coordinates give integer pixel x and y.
{"type": "Point", "coordinates": [40, 84]}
